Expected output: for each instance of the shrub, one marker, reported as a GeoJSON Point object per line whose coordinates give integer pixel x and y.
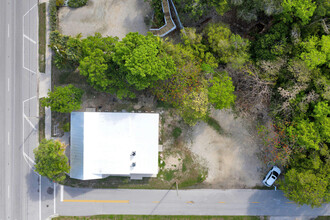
{"type": "Point", "coordinates": [176, 132]}
{"type": "Point", "coordinates": [66, 127]}
{"type": "Point", "coordinates": [59, 3]}
{"type": "Point", "coordinates": [77, 3]}
{"type": "Point", "coordinates": [53, 15]}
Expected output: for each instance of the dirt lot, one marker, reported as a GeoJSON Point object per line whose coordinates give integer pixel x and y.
{"type": "Point", "coordinates": [108, 17]}
{"type": "Point", "coordinates": [231, 159]}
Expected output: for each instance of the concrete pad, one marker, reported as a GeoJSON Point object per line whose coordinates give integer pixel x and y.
{"type": "Point", "coordinates": [108, 17]}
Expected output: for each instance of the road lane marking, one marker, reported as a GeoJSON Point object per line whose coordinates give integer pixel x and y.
{"type": "Point", "coordinates": [29, 39]}
{"type": "Point", "coordinates": [29, 11]}
{"type": "Point", "coordinates": [8, 84]}
{"type": "Point", "coordinates": [221, 202]}
{"type": "Point", "coordinates": [8, 30]}
{"type": "Point", "coordinates": [8, 191]}
{"type": "Point", "coordinates": [34, 128]}
{"type": "Point", "coordinates": [155, 201]}
{"type": "Point", "coordinates": [29, 99]}
{"type": "Point", "coordinates": [96, 201]}
{"type": "Point", "coordinates": [190, 202]}
{"type": "Point", "coordinates": [8, 138]}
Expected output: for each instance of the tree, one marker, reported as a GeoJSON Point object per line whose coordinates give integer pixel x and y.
{"type": "Point", "coordinates": [273, 44]}
{"type": "Point", "coordinates": [302, 9]}
{"type": "Point", "coordinates": [221, 91]}
{"type": "Point", "coordinates": [63, 99]}
{"type": "Point", "coordinates": [194, 107]}
{"type": "Point", "coordinates": [142, 60]}
{"type": "Point", "coordinates": [315, 51]}
{"type": "Point", "coordinates": [228, 47]}
{"type": "Point", "coordinates": [307, 187]}
{"type": "Point", "coordinates": [50, 160]}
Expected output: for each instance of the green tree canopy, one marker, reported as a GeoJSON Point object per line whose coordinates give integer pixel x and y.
{"type": "Point", "coordinates": [63, 99]}
{"type": "Point", "coordinates": [221, 91]}
{"type": "Point", "coordinates": [50, 160]}
{"type": "Point", "coordinates": [307, 186]}
{"type": "Point", "coordinates": [142, 60]}
{"type": "Point", "coordinates": [228, 47]}
{"type": "Point", "coordinates": [302, 9]}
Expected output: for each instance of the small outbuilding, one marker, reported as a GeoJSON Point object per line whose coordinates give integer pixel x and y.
{"type": "Point", "coordinates": [117, 144]}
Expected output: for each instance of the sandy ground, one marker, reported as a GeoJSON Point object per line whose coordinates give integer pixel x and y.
{"type": "Point", "coordinates": [231, 160]}
{"type": "Point", "coordinates": [108, 17]}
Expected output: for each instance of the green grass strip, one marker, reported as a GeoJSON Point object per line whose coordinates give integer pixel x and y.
{"type": "Point", "coordinates": [42, 37]}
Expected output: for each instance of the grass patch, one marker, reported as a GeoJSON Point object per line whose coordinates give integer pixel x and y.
{"type": "Point", "coordinates": [214, 124]}
{"type": "Point", "coordinates": [159, 217]}
{"type": "Point", "coordinates": [176, 132]}
{"type": "Point", "coordinates": [169, 174]}
{"type": "Point", "coordinates": [42, 37]}
{"type": "Point", "coordinates": [41, 122]}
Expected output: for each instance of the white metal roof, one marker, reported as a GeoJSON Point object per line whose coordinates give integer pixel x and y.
{"type": "Point", "coordinates": [102, 144]}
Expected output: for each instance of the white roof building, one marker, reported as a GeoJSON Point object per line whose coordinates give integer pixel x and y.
{"type": "Point", "coordinates": [119, 144]}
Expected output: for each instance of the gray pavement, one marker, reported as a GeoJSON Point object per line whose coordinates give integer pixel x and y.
{"type": "Point", "coordinates": [79, 202]}
{"type": "Point", "coordinates": [20, 189]}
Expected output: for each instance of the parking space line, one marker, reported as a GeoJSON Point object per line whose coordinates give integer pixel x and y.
{"type": "Point", "coordinates": [96, 201]}
{"type": "Point", "coordinates": [29, 39]}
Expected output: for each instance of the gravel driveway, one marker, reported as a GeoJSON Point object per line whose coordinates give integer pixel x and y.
{"type": "Point", "coordinates": [108, 17]}
{"type": "Point", "coordinates": [231, 159]}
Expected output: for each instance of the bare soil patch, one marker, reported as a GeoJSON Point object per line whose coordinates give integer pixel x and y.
{"type": "Point", "coordinates": [232, 159]}
{"type": "Point", "coordinates": [108, 17]}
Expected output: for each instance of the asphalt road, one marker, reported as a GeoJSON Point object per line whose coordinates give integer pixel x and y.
{"type": "Point", "coordinates": [73, 201]}
{"type": "Point", "coordinates": [19, 189]}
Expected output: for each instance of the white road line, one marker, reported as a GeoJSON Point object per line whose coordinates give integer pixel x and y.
{"type": "Point", "coordinates": [29, 10]}
{"type": "Point", "coordinates": [8, 138]}
{"type": "Point", "coordinates": [8, 191]}
{"type": "Point", "coordinates": [8, 30]}
{"type": "Point", "coordinates": [28, 69]}
{"type": "Point", "coordinates": [29, 158]}
{"type": "Point", "coordinates": [28, 100]}
{"type": "Point", "coordinates": [54, 198]}
{"type": "Point", "coordinates": [26, 118]}
{"type": "Point", "coordinates": [61, 193]}
{"type": "Point", "coordinates": [29, 39]}
{"type": "Point", "coordinates": [8, 84]}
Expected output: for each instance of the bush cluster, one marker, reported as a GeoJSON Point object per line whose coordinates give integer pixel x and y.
{"type": "Point", "coordinates": [77, 3]}
{"type": "Point", "coordinates": [53, 15]}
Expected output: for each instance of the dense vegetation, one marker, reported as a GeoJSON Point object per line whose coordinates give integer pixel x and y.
{"type": "Point", "coordinates": [281, 71]}
{"type": "Point", "coordinates": [77, 3]}
{"type": "Point", "coordinates": [50, 160]}
{"type": "Point", "coordinates": [63, 99]}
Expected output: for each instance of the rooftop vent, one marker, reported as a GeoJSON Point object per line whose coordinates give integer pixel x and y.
{"type": "Point", "coordinates": [133, 153]}
{"type": "Point", "coordinates": [133, 164]}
